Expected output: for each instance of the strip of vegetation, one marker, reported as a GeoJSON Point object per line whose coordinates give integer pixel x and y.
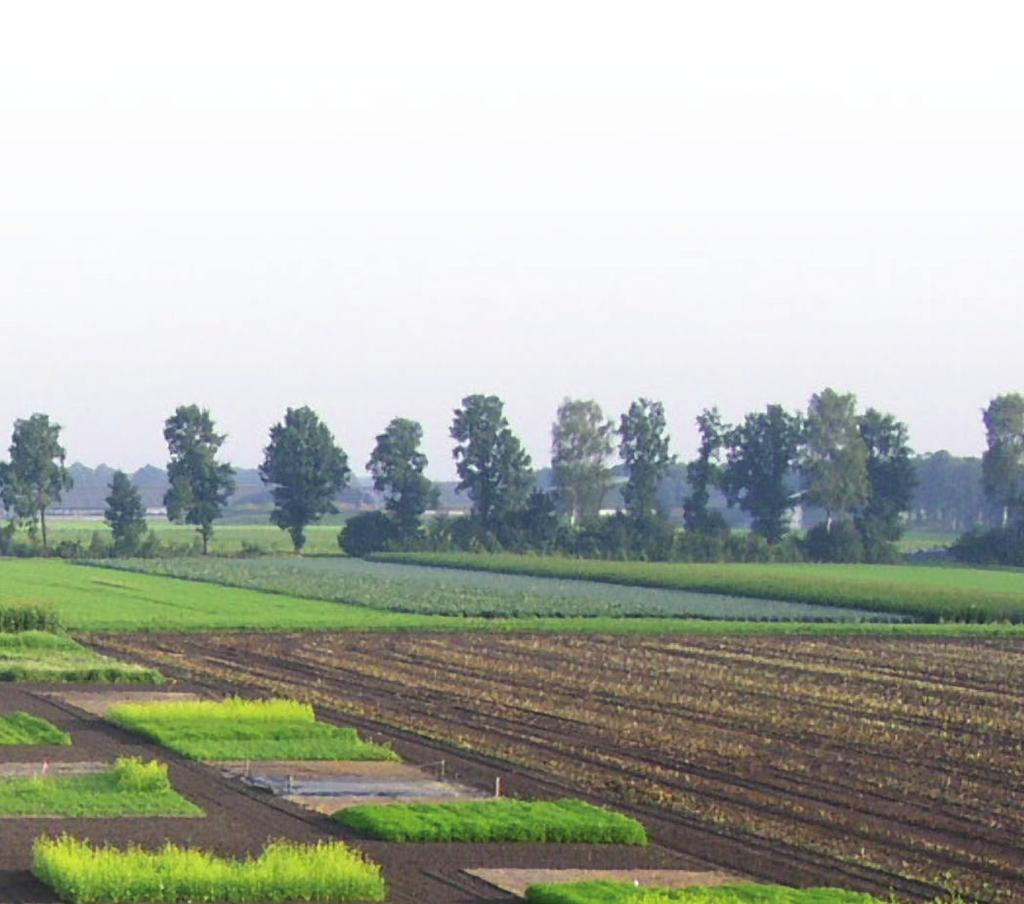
{"type": "Point", "coordinates": [130, 788]}
{"type": "Point", "coordinates": [326, 873]}
{"type": "Point", "coordinates": [935, 594]}
{"type": "Point", "coordinates": [551, 822]}
{"type": "Point", "coordinates": [25, 729]}
{"type": "Point", "coordinates": [620, 893]}
{"type": "Point", "coordinates": [17, 617]}
{"type": "Point", "coordinates": [237, 729]}
{"type": "Point", "coordinates": [50, 658]}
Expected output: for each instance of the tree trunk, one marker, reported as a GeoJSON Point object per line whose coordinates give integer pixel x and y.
{"type": "Point", "coordinates": [42, 524]}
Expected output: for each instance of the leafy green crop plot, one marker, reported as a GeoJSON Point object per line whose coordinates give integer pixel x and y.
{"type": "Point", "coordinates": [562, 821]}
{"type": "Point", "coordinates": [130, 788]}
{"type": "Point", "coordinates": [237, 729]}
{"type": "Point", "coordinates": [325, 873]}
{"type": "Point", "coordinates": [23, 728]}
{"type": "Point", "coordinates": [459, 592]}
{"type": "Point", "coordinates": [40, 657]}
{"type": "Point", "coordinates": [620, 893]}
{"type": "Point", "coordinates": [931, 593]}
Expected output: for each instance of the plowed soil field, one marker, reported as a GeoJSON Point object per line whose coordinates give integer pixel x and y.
{"type": "Point", "coordinates": [868, 762]}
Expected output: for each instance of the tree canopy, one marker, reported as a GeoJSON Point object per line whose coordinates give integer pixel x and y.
{"type": "Point", "coordinates": [125, 514]}
{"type": "Point", "coordinates": [1003, 461]}
{"type": "Point", "coordinates": [835, 457]}
{"type": "Point", "coordinates": [305, 469]}
{"type": "Point", "coordinates": [581, 444]}
{"type": "Point", "coordinates": [397, 465]}
{"type": "Point", "coordinates": [643, 445]}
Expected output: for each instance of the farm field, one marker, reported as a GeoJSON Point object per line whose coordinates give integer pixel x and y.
{"type": "Point", "coordinates": [42, 657]}
{"type": "Point", "coordinates": [869, 762]}
{"type": "Point", "coordinates": [228, 539]}
{"type": "Point", "coordinates": [931, 593]}
{"type": "Point", "coordinates": [460, 592]}
{"type": "Point", "coordinates": [23, 729]}
{"type": "Point", "coordinates": [620, 893]}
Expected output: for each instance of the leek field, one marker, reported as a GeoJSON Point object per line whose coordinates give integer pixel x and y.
{"type": "Point", "coordinates": [41, 657]}
{"type": "Point", "coordinates": [620, 893]}
{"type": "Point", "coordinates": [23, 729]}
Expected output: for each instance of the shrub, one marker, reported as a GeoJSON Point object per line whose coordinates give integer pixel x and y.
{"type": "Point", "coordinates": [840, 543]}
{"type": "Point", "coordinates": [995, 546]}
{"type": "Point", "coordinates": [366, 533]}
{"type": "Point", "coordinates": [325, 873]}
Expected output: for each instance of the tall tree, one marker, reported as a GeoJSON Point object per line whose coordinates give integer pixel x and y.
{"type": "Point", "coordinates": [306, 471]}
{"type": "Point", "coordinates": [200, 486]}
{"type": "Point", "coordinates": [125, 514]}
{"type": "Point", "coordinates": [835, 460]}
{"type": "Point", "coordinates": [704, 471]}
{"type": "Point", "coordinates": [493, 466]}
{"type": "Point", "coordinates": [581, 444]}
{"type": "Point", "coordinates": [396, 465]}
{"type": "Point", "coordinates": [762, 453]}
{"type": "Point", "coordinates": [35, 477]}
{"type": "Point", "coordinates": [892, 476]}
{"type": "Point", "coordinates": [1003, 461]}
{"type": "Point", "coordinates": [643, 445]}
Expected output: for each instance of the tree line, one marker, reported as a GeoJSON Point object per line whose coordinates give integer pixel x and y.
{"type": "Point", "coordinates": [856, 467]}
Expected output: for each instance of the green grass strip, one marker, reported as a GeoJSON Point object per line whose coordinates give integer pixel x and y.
{"type": "Point", "coordinates": [621, 893]}
{"type": "Point", "coordinates": [37, 656]}
{"type": "Point", "coordinates": [237, 729]}
{"type": "Point", "coordinates": [562, 821]}
{"type": "Point", "coordinates": [23, 728]}
{"type": "Point", "coordinates": [326, 873]}
{"type": "Point", "coordinates": [130, 788]}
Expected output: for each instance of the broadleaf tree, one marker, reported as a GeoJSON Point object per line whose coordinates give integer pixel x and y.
{"type": "Point", "coordinates": [762, 453]}
{"type": "Point", "coordinates": [305, 469]}
{"type": "Point", "coordinates": [125, 514]}
{"type": "Point", "coordinates": [1003, 461]}
{"type": "Point", "coordinates": [644, 447]}
{"type": "Point", "coordinates": [35, 477]}
{"type": "Point", "coordinates": [892, 476]}
{"type": "Point", "coordinates": [581, 445]}
{"type": "Point", "coordinates": [397, 465]}
{"type": "Point", "coordinates": [835, 456]}
{"type": "Point", "coordinates": [704, 472]}
{"type": "Point", "coordinates": [491, 463]}
{"type": "Point", "coordinates": [200, 485]}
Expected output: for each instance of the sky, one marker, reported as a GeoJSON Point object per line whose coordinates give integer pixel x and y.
{"type": "Point", "coordinates": [376, 209]}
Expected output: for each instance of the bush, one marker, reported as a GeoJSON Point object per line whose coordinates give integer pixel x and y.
{"type": "Point", "coordinates": [366, 533]}
{"type": "Point", "coordinates": [840, 543]}
{"type": "Point", "coordinates": [995, 546]}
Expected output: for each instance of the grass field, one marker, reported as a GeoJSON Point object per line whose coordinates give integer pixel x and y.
{"type": "Point", "coordinates": [933, 593]}
{"type": "Point", "coordinates": [326, 873]}
{"type": "Point", "coordinates": [238, 729]}
{"type": "Point", "coordinates": [28, 730]}
{"type": "Point", "coordinates": [39, 657]}
{"type": "Point", "coordinates": [228, 538]}
{"type": "Point", "coordinates": [461, 592]}
{"type": "Point", "coordinates": [130, 788]}
{"type": "Point", "coordinates": [619, 893]}
{"type": "Point", "coordinates": [546, 822]}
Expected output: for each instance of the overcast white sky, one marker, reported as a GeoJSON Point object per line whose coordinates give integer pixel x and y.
{"type": "Point", "coordinates": [378, 208]}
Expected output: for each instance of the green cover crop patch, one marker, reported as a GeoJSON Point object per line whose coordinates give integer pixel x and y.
{"type": "Point", "coordinates": [619, 893]}
{"type": "Point", "coordinates": [130, 788]}
{"type": "Point", "coordinates": [325, 873]}
{"type": "Point", "coordinates": [553, 822]}
{"type": "Point", "coordinates": [24, 729]}
{"type": "Point", "coordinates": [237, 729]}
{"type": "Point", "coordinates": [41, 657]}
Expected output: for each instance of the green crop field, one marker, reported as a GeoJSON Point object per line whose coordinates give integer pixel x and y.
{"type": "Point", "coordinates": [325, 873]}
{"type": "Point", "coordinates": [460, 592]}
{"type": "Point", "coordinates": [25, 729]}
{"type": "Point", "coordinates": [547, 822]}
{"type": "Point", "coordinates": [130, 788]}
{"type": "Point", "coordinates": [238, 729]}
{"type": "Point", "coordinates": [40, 657]}
{"type": "Point", "coordinates": [620, 893]}
{"type": "Point", "coordinates": [933, 593]}
{"type": "Point", "coordinates": [228, 538]}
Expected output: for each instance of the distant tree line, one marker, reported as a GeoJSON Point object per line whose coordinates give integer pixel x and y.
{"type": "Point", "coordinates": [855, 468]}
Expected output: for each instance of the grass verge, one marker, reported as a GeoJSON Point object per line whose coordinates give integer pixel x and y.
{"type": "Point", "coordinates": [619, 893]}
{"type": "Point", "coordinates": [25, 729]}
{"type": "Point", "coordinates": [51, 658]}
{"type": "Point", "coordinates": [237, 729]}
{"type": "Point", "coordinates": [932, 593]}
{"type": "Point", "coordinates": [130, 788]}
{"type": "Point", "coordinates": [326, 873]}
{"type": "Point", "coordinates": [553, 822]}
